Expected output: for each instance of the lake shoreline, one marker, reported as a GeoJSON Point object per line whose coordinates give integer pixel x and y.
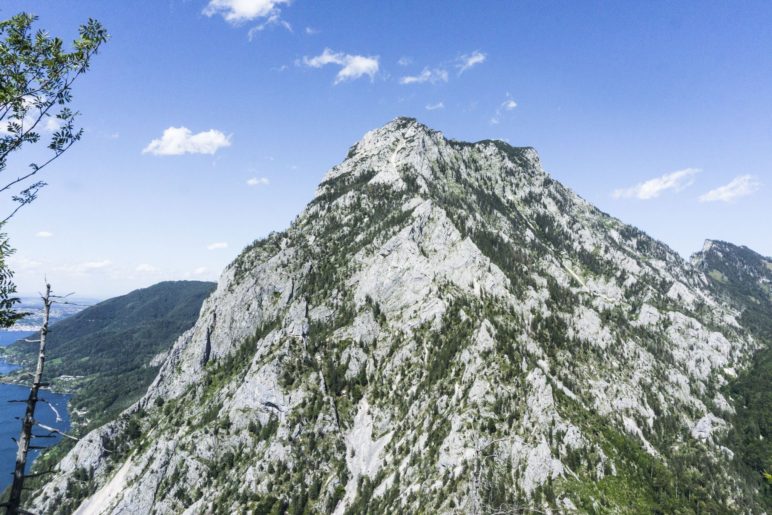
{"type": "Point", "coordinates": [15, 384]}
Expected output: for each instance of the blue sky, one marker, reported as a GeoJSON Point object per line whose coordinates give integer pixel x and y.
{"type": "Point", "coordinates": [645, 109]}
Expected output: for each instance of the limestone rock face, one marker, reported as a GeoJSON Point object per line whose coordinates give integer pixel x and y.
{"type": "Point", "coordinates": [443, 329]}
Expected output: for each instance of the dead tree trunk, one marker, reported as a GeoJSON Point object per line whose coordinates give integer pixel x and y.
{"type": "Point", "coordinates": [14, 502]}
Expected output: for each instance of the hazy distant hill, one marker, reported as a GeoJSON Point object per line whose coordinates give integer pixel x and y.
{"type": "Point", "coordinates": [103, 354]}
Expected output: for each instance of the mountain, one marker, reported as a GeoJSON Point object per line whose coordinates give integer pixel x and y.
{"type": "Point", "coordinates": [743, 278]}
{"type": "Point", "coordinates": [443, 329]}
{"type": "Point", "coordinates": [107, 354]}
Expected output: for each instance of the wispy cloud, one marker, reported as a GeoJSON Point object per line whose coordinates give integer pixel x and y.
{"type": "Point", "coordinates": [200, 270]}
{"type": "Point", "coordinates": [176, 141]}
{"type": "Point", "coordinates": [146, 269]}
{"type": "Point", "coordinates": [653, 188]}
{"type": "Point", "coordinates": [310, 31]}
{"type": "Point", "coordinates": [434, 107]}
{"type": "Point", "coordinates": [217, 245]}
{"type": "Point", "coordinates": [351, 66]}
{"type": "Point", "coordinates": [47, 124]}
{"type": "Point", "coordinates": [258, 181]}
{"type": "Point", "coordinates": [89, 266]}
{"type": "Point", "coordinates": [53, 124]}
{"type": "Point", "coordinates": [405, 61]}
{"type": "Point", "coordinates": [741, 186]}
{"type": "Point", "coordinates": [271, 21]}
{"type": "Point", "coordinates": [507, 105]}
{"type": "Point", "coordinates": [427, 75]}
{"type": "Point", "coordinates": [467, 61]}
{"type": "Point", "coordinates": [44, 234]}
{"type": "Point", "coordinates": [18, 262]}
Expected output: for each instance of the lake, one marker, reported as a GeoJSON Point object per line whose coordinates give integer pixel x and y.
{"type": "Point", "coordinates": [8, 337]}
{"type": "Point", "coordinates": [10, 426]}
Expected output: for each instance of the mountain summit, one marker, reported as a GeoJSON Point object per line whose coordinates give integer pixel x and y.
{"type": "Point", "coordinates": [443, 329]}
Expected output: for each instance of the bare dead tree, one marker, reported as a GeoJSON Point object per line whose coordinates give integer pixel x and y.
{"type": "Point", "coordinates": [14, 502]}
{"type": "Point", "coordinates": [13, 506]}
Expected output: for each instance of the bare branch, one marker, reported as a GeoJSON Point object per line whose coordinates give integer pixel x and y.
{"type": "Point", "coordinates": [54, 430]}
{"type": "Point", "coordinates": [36, 169]}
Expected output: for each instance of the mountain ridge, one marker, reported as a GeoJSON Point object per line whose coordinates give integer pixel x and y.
{"type": "Point", "coordinates": [443, 328]}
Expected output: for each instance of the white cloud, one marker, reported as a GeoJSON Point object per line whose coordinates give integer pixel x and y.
{"type": "Point", "coordinates": [467, 61]}
{"type": "Point", "coordinates": [217, 245]}
{"type": "Point", "coordinates": [427, 75]}
{"type": "Point", "coordinates": [434, 107]}
{"type": "Point", "coordinates": [44, 234]}
{"type": "Point", "coordinates": [741, 186]}
{"type": "Point", "coordinates": [258, 181]}
{"type": "Point", "coordinates": [352, 66]}
{"type": "Point", "coordinates": [145, 268]}
{"type": "Point", "coordinates": [653, 188]}
{"type": "Point", "coordinates": [240, 11]}
{"type": "Point", "coordinates": [506, 105]}
{"type": "Point", "coordinates": [404, 61]}
{"type": "Point", "coordinates": [176, 141]}
{"type": "Point", "coordinates": [310, 31]}
{"type": "Point", "coordinates": [200, 270]}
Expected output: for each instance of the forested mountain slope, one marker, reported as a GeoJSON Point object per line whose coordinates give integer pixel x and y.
{"type": "Point", "coordinates": [104, 355]}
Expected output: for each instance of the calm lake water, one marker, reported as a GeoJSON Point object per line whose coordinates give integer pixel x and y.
{"type": "Point", "coordinates": [8, 337]}
{"type": "Point", "coordinates": [10, 425]}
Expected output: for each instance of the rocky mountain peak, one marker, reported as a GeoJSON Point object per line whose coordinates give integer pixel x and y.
{"type": "Point", "coordinates": [445, 328]}
{"type": "Point", "coordinates": [404, 150]}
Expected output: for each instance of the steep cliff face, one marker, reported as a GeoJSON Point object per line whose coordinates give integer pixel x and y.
{"type": "Point", "coordinates": [443, 329]}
